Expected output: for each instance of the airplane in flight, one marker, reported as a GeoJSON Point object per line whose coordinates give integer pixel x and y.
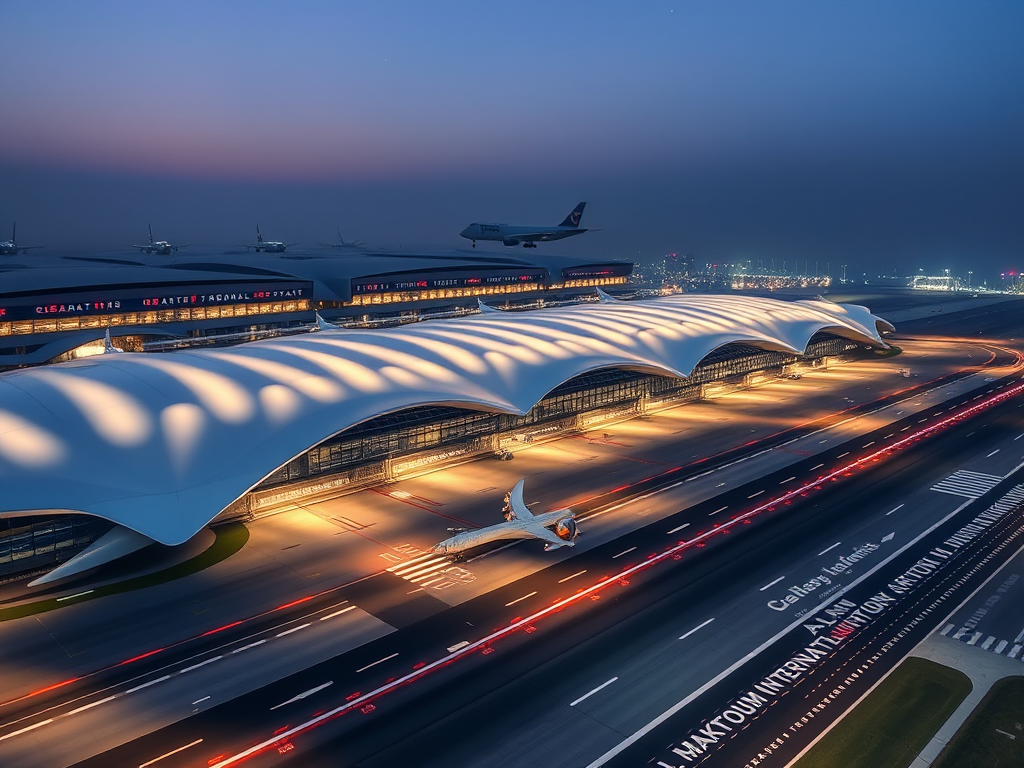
{"type": "Point", "coordinates": [159, 247]}
{"type": "Point", "coordinates": [343, 243]}
{"type": "Point", "coordinates": [11, 247]}
{"type": "Point", "coordinates": [268, 246]}
{"type": "Point", "coordinates": [512, 234]}
{"type": "Point", "coordinates": [556, 529]}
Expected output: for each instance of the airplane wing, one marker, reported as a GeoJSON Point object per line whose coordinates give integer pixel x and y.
{"type": "Point", "coordinates": [29, 247]}
{"type": "Point", "coordinates": [547, 535]}
{"type": "Point", "coordinates": [515, 503]}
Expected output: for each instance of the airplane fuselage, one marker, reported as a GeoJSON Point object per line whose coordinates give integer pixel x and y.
{"type": "Point", "coordinates": [160, 248]}
{"type": "Point", "coordinates": [270, 247]}
{"type": "Point", "coordinates": [9, 249]}
{"type": "Point", "coordinates": [512, 234]}
{"type": "Point", "coordinates": [513, 529]}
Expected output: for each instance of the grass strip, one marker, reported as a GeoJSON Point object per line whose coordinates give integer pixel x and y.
{"type": "Point", "coordinates": [896, 721]}
{"type": "Point", "coordinates": [228, 539]}
{"type": "Point", "coordinates": [994, 733]}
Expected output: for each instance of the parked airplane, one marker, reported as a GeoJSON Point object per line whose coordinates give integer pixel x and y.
{"type": "Point", "coordinates": [343, 243]}
{"type": "Point", "coordinates": [520, 523]}
{"type": "Point", "coordinates": [512, 234]}
{"type": "Point", "coordinates": [159, 247]}
{"type": "Point", "coordinates": [268, 246]}
{"type": "Point", "coordinates": [11, 247]}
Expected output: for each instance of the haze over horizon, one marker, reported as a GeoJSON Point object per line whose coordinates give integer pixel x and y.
{"type": "Point", "coordinates": [883, 136]}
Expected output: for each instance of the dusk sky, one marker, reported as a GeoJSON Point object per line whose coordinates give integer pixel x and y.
{"type": "Point", "coordinates": [882, 134]}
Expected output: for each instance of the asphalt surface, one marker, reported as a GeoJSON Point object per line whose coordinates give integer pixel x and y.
{"type": "Point", "coordinates": [486, 690]}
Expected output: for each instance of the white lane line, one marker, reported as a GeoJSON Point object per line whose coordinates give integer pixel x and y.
{"type": "Point", "coordinates": [172, 752]}
{"type": "Point", "coordinates": [699, 626]}
{"type": "Point", "coordinates": [974, 640]}
{"type": "Point", "coordinates": [200, 664]}
{"type": "Point", "coordinates": [302, 695]}
{"type": "Point", "coordinates": [897, 509]}
{"type": "Point", "coordinates": [1019, 638]}
{"type": "Point", "coordinates": [843, 454]}
{"type": "Point", "coordinates": [77, 594]}
{"type": "Point", "coordinates": [457, 646]}
{"type": "Point", "coordinates": [25, 730]}
{"type": "Point", "coordinates": [787, 480]}
{"type": "Point", "coordinates": [200, 701]}
{"type": "Point", "coordinates": [250, 645]}
{"type": "Point", "coordinates": [433, 581]}
{"type": "Point", "coordinates": [684, 525]}
{"type": "Point", "coordinates": [1015, 650]}
{"type": "Point", "coordinates": [591, 693]}
{"type": "Point", "coordinates": [988, 642]}
{"type": "Point", "coordinates": [293, 629]}
{"type": "Point", "coordinates": [1018, 437]}
{"type": "Point", "coordinates": [829, 549]}
{"type": "Point", "coordinates": [624, 552]}
{"type": "Point", "coordinates": [992, 454]}
{"type": "Point", "coordinates": [1001, 646]}
{"type": "Point", "coordinates": [519, 599]}
{"type": "Point", "coordinates": [378, 661]}
{"type": "Point", "coordinates": [945, 629]}
{"type": "Point", "coordinates": [711, 514]}
{"type": "Point", "coordinates": [578, 573]}
{"type": "Point", "coordinates": [818, 466]}
{"type": "Point", "coordinates": [889, 435]}
{"type": "Point", "coordinates": [90, 706]}
{"type": "Point", "coordinates": [337, 613]}
{"type": "Point", "coordinates": [771, 584]}
{"type": "Point", "coordinates": [753, 495]}
{"type": "Point", "coordinates": [146, 685]}
{"type": "Point", "coordinates": [960, 633]}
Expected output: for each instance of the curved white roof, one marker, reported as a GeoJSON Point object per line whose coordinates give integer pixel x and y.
{"type": "Point", "coordinates": [161, 443]}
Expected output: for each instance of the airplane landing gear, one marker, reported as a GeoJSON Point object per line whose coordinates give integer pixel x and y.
{"type": "Point", "coordinates": [529, 245]}
{"type": "Point", "coordinates": [474, 243]}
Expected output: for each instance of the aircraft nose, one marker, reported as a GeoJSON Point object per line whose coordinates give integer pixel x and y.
{"type": "Point", "coordinates": [466, 233]}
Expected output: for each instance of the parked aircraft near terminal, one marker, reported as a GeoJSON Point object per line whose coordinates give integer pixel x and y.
{"type": "Point", "coordinates": [267, 246]}
{"type": "Point", "coordinates": [343, 243]}
{"type": "Point", "coordinates": [11, 247]}
{"type": "Point", "coordinates": [159, 247]}
{"type": "Point", "coordinates": [556, 529]}
{"type": "Point", "coordinates": [513, 234]}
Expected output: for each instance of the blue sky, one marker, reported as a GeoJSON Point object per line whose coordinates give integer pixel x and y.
{"type": "Point", "coordinates": [731, 129]}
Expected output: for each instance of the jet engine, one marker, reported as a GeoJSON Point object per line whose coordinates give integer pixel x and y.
{"type": "Point", "coordinates": [566, 528]}
{"type": "Point", "coordinates": [510, 241]}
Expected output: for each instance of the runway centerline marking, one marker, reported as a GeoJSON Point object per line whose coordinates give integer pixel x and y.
{"type": "Point", "coordinates": [25, 730]}
{"type": "Point", "coordinates": [337, 613]}
{"type": "Point", "coordinates": [578, 573]}
{"type": "Point", "coordinates": [684, 525]}
{"type": "Point", "coordinates": [771, 584]}
{"type": "Point", "coordinates": [699, 626]}
{"type": "Point", "coordinates": [829, 549]}
{"type": "Point", "coordinates": [200, 664]}
{"type": "Point", "coordinates": [90, 706]}
{"type": "Point", "coordinates": [896, 509]}
{"type": "Point", "coordinates": [250, 645]}
{"type": "Point", "coordinates": [301, 696]}
{"type": "Point", "coordinates": [591, 693]}
{"type": "Point", "coordinates": [787, 480]}
{"type": "Point", "coordinates": [992, 454]}
{"type": "Point", "coordinates": [374, 664]}
{"type": "Point", "coordinates": [146, 685]}
{"type": "Point", "coordinates": [625, 552]}
{"type": "Point", "coordinates": [818, 466]}
{"type": "Point", "coordinates": [77, 594]}
{"type": "Point", "coordinates": [520, 599]}
{"type": "Point", "coordinates": [200, 701]}
{"type": "Point", "coordinates": [293, 629]}
{"type": "Point", "coordinates": [172, 752]}
{"type": "Point", "coordinates": [843, 454]}
{"type": "Point", "coordinates": [753, 495]}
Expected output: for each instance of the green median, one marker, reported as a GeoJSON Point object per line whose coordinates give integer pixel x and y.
{"type": "Point", "coordinates": [993, 736]}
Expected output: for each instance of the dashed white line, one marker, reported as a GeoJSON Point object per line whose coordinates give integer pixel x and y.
{"type": "Point", "coordinates": [90, 706]}
{"type": "Point", "coordinates": [25, 730]}
{"type": "Point", "coordinates": [676, 530]}
{"type": "Point", "coordinates": [146, 685]}
{"type": "Point", "coordinates": [817, 466]}
{"type": "Point", "coordinates": [753, 495]}
{"type": "Point", "coordinates": [337, 613]}
{"type": "Point", "coordinates": [829, 549]}
{"type": "Point", "coordinates": [868, 445]}
{"type": "Point", "coordinates": [843, 454]}
{"type": "Point", "coordinates": [720, 509]}
{"type": "Point", "coordinates": [624, 552]}
{"type": "Point", "coordinates": [578, 573]}
{"type": "Point", "coordinates": [302, 695]}
{"type": "Point", "coordinates": [378, 661]}
{"type": "Point", "coordinates": [289, 631]}
{"type": "Point", "coordinates": [250, 645]}
{"type": "Point", "coordinates": [699, 626]}
{"type": "Point", "coordinates": [200, 664]}
{"type": "Point", "coordinates": [520, 599]}
{"type": "Point", "coordinates": [1018, 437]}
{"type": "Point", "coordinates": [591, 693]}
{"type": "Point", "coordinates": [897, 509]}
{"type": "Point", "coordinates": [771, 584]}
{"type": "Point", "coordinates": [992, 454]}
{"type": "Point", "coordinates": [172, 752]}
{"type": "Point", "coordinates": [77, 594]}
{"type": "Point", "coordinates": [200, 701]}
{"type": "Point", "coordinates": [787, 480]}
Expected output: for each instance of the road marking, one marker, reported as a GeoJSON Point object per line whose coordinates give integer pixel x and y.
{"type": "Point", "coordinates": [754, 495]}
{"type": "Point", "coordinates": [771, 584]}
{"type": "Point", "coordinates": [24, 730]}
{"type": "Point", "coordinates": [378, 661]}
{"type": "Point", "coordinates": [1001, 646]}
{"type": "Point", "coordinates": [787, 480]}
{"type": "Point", "coordinates": [897, 509]}
{"type": "Point", "coordinates": [200, 701]}
{"type": "Point", "coordinates": [337, 613]}
{"type": "Point", "coordinates": [904, 429]}
{"type": "Point", "coordinates": [966, 483]}
{"type": "Point", "coordinates": [988, 642]}
{"type": "Point", "coordinates": [289, 631]}
{"type": "Point", "coordinates": [888, 537]}
{"type": "Point", "coordinates": [302, 695]}
{"type": "Point", "coordinates": [675, 530]}
{"type": "Point", "coordinates": [1018, 437]}
{"type": "Point", "coordinates": [77, 594]}
{"type": "Point", "coordinates": [1013, 653]}
{"type": "Point", "coordinates": [250, 645]}
{"type": "Point", "coordinates": [975, 638]}
{"type": "Point", "coordinates": [829, 549]}
{"type": "Point", "coordinates": [146, 685]}
{"type": "Point", "coordinates": [454, 648]}
{"type": "Point", "coordinates": [889, 435]}
{"type": "Point", "coordinates": [1019, 638]}
{"type": "Point", "coordinates": [520, 599]}
{"type": "Point", "coordinates": [843, 454]}
{"type": "Point", "coordinates": [200, 664]}
{"type": "Point", "coordinates": [172, 752]}
{"type": "Point", "coordinates": [591, 693]}
{"type": "Point", "coordinates": [699, 626]}
{"type": "Point", "coordinates": [992, 454]}
{"type": "Point", "coordinates": [819, 466]}
{"type": "Point", "coordinates": [626, 552]}
{"type": "Point", "coordinates": [578, 573]}
{"type": "Point", "coordinates": [90, 706]}
{"type": "Point", "coordinates": [710, 514]}
{"type": "Point", "coordinates": [960, 633]}
{"type": "Point", "coordinates": [868, 445]}
{"type": "Point", "coordinates": [945, 629]}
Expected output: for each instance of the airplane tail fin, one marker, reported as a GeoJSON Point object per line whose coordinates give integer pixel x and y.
{"type": "Point", "coordinates": [516, 504]}
{"type": "Point", "coordinates": [150, 234]}
{"type": "Point", "coordinates": [14, 233]}
{"type": "Point", "coordinates": [573, 219]}
{"type": "Point", "coordinates": [259, 237]}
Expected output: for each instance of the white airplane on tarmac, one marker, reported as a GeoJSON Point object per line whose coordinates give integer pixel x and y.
{"type": "Point", "coordinates": [159, 247]}
{"type": "Point", "coordinates": [514, 234]}
{"type": "Point", "coordinates": [268, 246]}
{"type": "Point", "coordinates": [520, 523]}
{"type": "Point", "coordinates": [343, 243]}
{"type": "Point", "coordinates": [11, 247]}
